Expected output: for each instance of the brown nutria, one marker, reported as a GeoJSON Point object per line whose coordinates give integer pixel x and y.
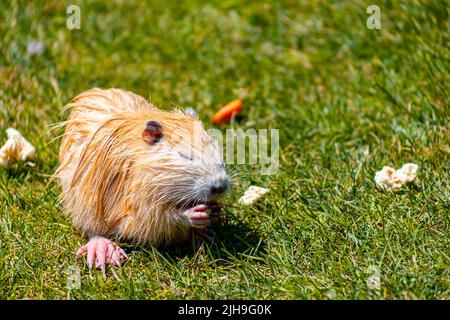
{"type": "Point", "coordinates": [131, 171]}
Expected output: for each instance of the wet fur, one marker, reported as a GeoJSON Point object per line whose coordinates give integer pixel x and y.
{"type": "Point", "coordinates": [115, 184]}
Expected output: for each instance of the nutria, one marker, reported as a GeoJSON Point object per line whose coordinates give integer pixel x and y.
{"type": "Point", "coordinates": [130, 171]}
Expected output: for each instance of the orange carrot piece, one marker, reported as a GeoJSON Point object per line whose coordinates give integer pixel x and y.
{"type": "Point", "coordinates": [227, 111]}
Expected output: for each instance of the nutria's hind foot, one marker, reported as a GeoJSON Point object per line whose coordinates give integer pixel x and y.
{"type": "Point", "coordinates": [102, 251]}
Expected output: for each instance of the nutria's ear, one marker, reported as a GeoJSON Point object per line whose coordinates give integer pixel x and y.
{"type": "Point", "coordinates": [191, 112]}
{"type": "Point", "coordinates": [152, 132]}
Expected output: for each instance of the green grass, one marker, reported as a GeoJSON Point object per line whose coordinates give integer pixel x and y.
{"type": "Point", "coordinates": [347, 100]}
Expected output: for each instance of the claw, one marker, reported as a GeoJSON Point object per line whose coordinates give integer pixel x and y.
{"type": "Point", "coordinates": [116, 261]}
{"type": "Point", "coordinates": [102, 267]}
{"type": "Point", "coordinates": [122, 252]}
{"type": "Point", "coordinates": [82, 251]}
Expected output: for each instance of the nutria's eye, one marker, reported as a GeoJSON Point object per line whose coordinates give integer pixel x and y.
{"type": "Point", "coordinates": [152, 132]}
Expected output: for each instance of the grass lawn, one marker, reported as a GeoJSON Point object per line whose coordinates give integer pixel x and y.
{"type": "Point", "coordinates": [347, 101]}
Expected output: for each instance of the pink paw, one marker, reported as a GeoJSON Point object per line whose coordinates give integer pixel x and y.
{"type": "Point", "coordinates": [101, 251]}
{"type": "Point", "coordinates": [197, 216]}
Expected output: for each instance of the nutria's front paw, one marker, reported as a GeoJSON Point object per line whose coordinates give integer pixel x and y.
{"type": "Point", "coordinates": [197, 217]}
{"type": "Point", "coordinates": [215, 211]}
{"type": "Point", "coordinates": [102, 251]}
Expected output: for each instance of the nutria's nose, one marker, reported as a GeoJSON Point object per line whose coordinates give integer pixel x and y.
{"type": "Point", "coordinates": [219, 186]}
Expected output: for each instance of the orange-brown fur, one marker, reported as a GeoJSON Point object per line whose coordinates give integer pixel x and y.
{"type": "Point", "coordinates": [115, 184]}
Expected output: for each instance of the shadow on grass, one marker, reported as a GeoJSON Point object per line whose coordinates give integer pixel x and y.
{"type": "Point", "coordinates": [232, 239]}
{"type": "Point", "coordinates": [20, 171]}
{"type": "Point", "coordinates": [15, 173]}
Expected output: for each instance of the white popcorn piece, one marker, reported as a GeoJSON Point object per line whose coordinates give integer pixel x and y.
{"type": "Point", "coordinates": [390, 179]}
{"type": "Point", "coordinates": [407, 173]}
{"type": "Point", "coordinates": [16, 148]}
{"type": "Point", "coordinates": [252, 194]}
{"type": "Point", "coordinates": [386, 179]}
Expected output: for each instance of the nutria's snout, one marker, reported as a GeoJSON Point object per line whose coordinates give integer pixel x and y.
{"type": "Point", "coordinates": [205, 191]}
{"type": "Point", "coordinates": [218, 187]}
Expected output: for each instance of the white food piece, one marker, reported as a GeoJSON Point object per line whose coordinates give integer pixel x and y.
{"type": "Point", "coordinates": [16, 148]}
{"type": "Point", "coordinates": [390, 179]}
{"type": "Point", "coordinates": [386, 179]}
{"type": "Point", "coordinates": [407, 173]}
{"type": "Point", "coordinates": [252, 194]}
